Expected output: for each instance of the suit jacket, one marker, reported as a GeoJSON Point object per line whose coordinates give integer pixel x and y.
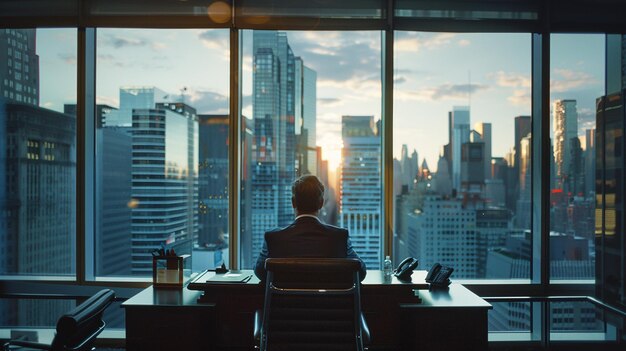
{"type": "Point", "coordinates": [306, 237]}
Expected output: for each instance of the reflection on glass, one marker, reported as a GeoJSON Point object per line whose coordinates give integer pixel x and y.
{"type": "Point", "coordinates": [37, 152]}
{"type": "Point", "coordinates": [161, 148]}
{"type": "Point", "coordinates": [510, 317]}
{"type": "Point", "coordinates": [577, 80]}
{"type": "Point", "coordinates": [462, 161]}
{"type": "Point", "coordinates": [40, 313]}
{"type": "Point", "coordinates": [566, 320]}
{"type": "Point", "coordinates": [311, 105]}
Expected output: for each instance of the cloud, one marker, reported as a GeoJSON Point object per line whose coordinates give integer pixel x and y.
{"type": "Point", "coordinates": [215, 39]}
{"type": "Point", "coordinates": [399, 79]}
{"type": "Point", "coordinates": [510, 80]}
{"type": "Point", "coordinates": [107, 100]}
{"type": "Point", "coordinates": [586, 119]}
{"type": "Point", "coordinates": [112, 60]}
{"type": "Point", "coordinates": [464, 42]}
{"type": "Point", "coordinates": [442, 92]}
{"type": "Point", "coordinates": [328, 102]}
{"type": "Point", "coordinates": [520, 98]}
{"type": "Point", "coordinates": [246, 102]}
{"type": "Point", "coordinates": [565, 79]}
{"type": "Point", "coordinates": [414, 42]}
{"type": "Point", "coordinates": [456, 91]}
{"type": "Point", "coordinates": [156, 46]}
{"type": "Point", "coordinates": [341, 59]}
{"type": "Point", "coordinates": [119, 42]}
{"type": "Point", "coordinates": [208, 102]}
{"type": "Point", "coordinates": [70, 59]}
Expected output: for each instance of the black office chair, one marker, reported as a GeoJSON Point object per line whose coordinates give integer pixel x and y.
{"type": "Point", "coordinates": [311, 304]}
{"type": "Point", "coordinates": [76, 330]}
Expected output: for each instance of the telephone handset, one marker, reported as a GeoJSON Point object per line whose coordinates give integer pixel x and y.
{"type": "Point", "coordinates": [439, 276]}
{"type": "Point", "coordinates": [405, 268]}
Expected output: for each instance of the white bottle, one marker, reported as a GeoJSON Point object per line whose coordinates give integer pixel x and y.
{"type": "Point", "coordinates": [387, 267]}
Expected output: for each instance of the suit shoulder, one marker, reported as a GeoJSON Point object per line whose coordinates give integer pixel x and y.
{"type": "Point", "coordinates": [273, 231]}
{"type": "Point", "coordinates": [335, 229]}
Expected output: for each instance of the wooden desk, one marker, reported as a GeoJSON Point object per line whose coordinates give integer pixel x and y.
{"type": "Point", "coordinates": [221, 316]}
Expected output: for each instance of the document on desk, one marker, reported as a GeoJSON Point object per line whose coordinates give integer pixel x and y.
{"type": "Point", "coordinates": [230, 277]}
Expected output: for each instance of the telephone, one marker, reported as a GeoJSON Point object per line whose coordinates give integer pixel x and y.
{"type": "Point", "coordinates": [405, 268]}
{"type": "Point", "coordinates": [439, 276]}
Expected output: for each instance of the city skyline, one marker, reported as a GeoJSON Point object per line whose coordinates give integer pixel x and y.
{"type": "Point", "coordinates": [495, 92]}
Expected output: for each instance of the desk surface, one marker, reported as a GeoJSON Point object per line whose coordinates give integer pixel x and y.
{"type": "Point", "coordinates": [373, 278]}
{"type": "Point", "coordinates": [456, 296]}
{"type": "Point", "coordinates": [152, 296]}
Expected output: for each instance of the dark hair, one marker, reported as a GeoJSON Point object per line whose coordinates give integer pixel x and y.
{"type": "Point", "coordinates": [308, 194]}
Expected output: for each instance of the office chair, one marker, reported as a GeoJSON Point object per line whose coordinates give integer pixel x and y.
{"type": "Point", "coordinates": [311, 304]}
{"type": "Point", "coordinates": [76, 330]}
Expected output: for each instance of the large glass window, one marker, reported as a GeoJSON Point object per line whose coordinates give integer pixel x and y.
{"type": "Point", "coordinates": [311, 105]}
{"type": "Point", "coordinates": [161, 148]}
{"type": "Point", "coordinates": [461, 148]}
{"type": "Point", "coordinates": [37, 152]}
{"type": "Point", "coordinates": [576, 81]}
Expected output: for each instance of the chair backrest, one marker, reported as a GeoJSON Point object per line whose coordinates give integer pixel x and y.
{"type": "Point", "coordinates": [78, 329]}
{"type": "Point", "coordinates": [312, 304]}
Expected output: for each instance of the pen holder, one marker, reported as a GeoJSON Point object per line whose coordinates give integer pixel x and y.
{"type": "Point", "coordinates": [170, 271]}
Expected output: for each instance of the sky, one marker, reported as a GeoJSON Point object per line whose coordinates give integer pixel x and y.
{"type": "Point", "coordinates": [432, 73]}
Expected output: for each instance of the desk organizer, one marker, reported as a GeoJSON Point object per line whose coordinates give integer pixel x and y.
{"type": "Point", "coordinates": [170, 271]}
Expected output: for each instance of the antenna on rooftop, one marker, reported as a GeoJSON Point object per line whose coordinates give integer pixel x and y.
{"type": "Point", "coordinates": [469, 89]}
{"type": "Point", "coordinates": [182, 94]}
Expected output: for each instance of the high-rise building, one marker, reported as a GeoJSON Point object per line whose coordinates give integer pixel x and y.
{"type": "Point", "coordinates": [473, 168]}
{"type": "Point", "coordinates": [213, 181]}
{"type": "Point", "coordinates": [135, 98]}
{"type": "Point", "coordinates": [445, 231]}
{"type": "Point", "coordinates": [19, 78]}
{"type": "Point", "coordinates": [458, 133]}
{"type": "Point", "coordinates": [590, 162]}
{"type": "Point", "coordinates": [305, 117]}
{"type": "Point", "coordinates": [565, 128]}
{"type": "Point", "coordinates": [484, 129]}
{"type": "Point", "coordinates": [408, 167]}
{"type": "Point", "coordinates": [610, 245]}
{"type": "Point", "coordinates": [113, 195]}
{"type": "Point", "coordinates": [522, 128]}
{"type": "Point", "coordinates": [113, 184]}
{"type": "Point", "coordinates": [165, 181]}
{"type": "Point", "coordinates": [360, 190]}
{"type": "Point", "coordinates": [38, 204]}
{"type": "Point", "coordinates": [523, 210]}
{"type": "Point", "coordinates": [273, 147]}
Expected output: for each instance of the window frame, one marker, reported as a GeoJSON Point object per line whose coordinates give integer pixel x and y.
{"type": "Point", "coordinates": [550, 19]}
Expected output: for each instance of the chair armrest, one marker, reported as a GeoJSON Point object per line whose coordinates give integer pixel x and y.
{"type": "Point", "coordinates": [30, 344]}
{"type": "Point", "coordinates": [257, 326]}
{"type": "Point", "coordinates": [365, 331]}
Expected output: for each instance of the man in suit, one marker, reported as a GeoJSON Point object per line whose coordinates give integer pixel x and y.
{"type": "Point", "coordinates": [307, 236]}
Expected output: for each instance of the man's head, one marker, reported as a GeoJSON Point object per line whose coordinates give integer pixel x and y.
{"type": "Point", "coordinates": [307, 194]}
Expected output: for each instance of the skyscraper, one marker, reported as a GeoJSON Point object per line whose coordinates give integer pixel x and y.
{"type": "Point", "coordinates": [360, 194]}
{"type": "Point", "coordinates": [565, 128]}
{"type": "Point", "coordinates": [524, 200]}
{"type": "Point", "coordinates": [484, 129]}
{"type": "Point", "coordinates": [213, 180]}
{"type": "Point", "coordinates": [590, 162]}
{"type": "Point", "coordinates": [19, 78]}
{"type": "Point", "coordinates": [38, 203]}
{"type": "Point", "coordinates": [458, 133]}
{"type": "Point", "coordinates": [445, 231]}
{"type": "Point", "coordinates": [306, 115]}
{"type": "Point", "coordinates": [113, 193]}
{"type": "Point", "coordinates": [273, 147]}
{"type": "Point", "coordinates": [165, 181]}
{"type": "Point", "coordinates": [135, 97]}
